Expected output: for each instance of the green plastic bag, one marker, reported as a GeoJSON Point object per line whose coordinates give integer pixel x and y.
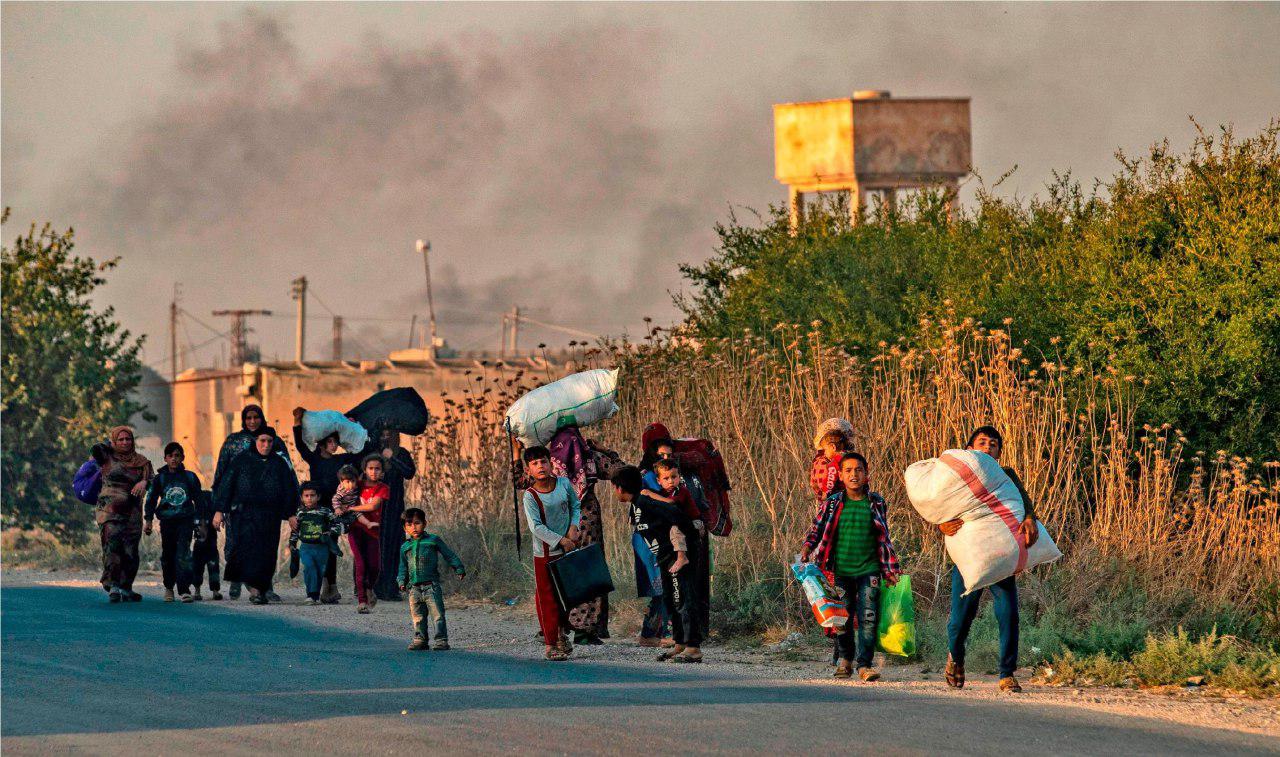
{"type": "Point", "coordinates": [896, 634]}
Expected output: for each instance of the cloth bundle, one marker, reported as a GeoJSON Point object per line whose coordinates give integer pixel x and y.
{"type": "Point", "coordinates": [580, 399]}
{"type": "Point", "coordinates": [317, 424]}
{"type": "Point", "coordinates": [971, 486]}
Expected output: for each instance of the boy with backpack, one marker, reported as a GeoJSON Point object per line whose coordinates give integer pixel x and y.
{"type": "Point", "coordinates": [850, 539]}
{"type": "Point", "coordinates": [553, 512]}
{"type": "Point", "coordinates": [314, 538]}
{"type": "Point", "coordinates": [661, 524]}
{"type": "Point", "coordinates": [419, 579]}
{"type": "Point", "coordinates": [172, 497]}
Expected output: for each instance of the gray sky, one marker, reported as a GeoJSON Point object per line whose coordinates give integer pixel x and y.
{"type": "Point", "coordinates": [562, 157]}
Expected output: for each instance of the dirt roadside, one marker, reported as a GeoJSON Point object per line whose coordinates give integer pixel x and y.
{"type": "Point", "coordinates": [501, 629]}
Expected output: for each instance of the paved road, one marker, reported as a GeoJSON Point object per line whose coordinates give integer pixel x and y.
{"type": "Point", "coordinates": [82, 675]}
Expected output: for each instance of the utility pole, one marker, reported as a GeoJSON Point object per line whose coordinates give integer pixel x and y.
{"type": "Point", "coordinates": [337, 337]}
{"type": "Point", "coordinates": [300, 295]}
{"type": "Point", "coordinates": [514, 317]}
{"type": "Point", "coordinates": [173, 334]}
{"type": "Point", "coordinates": [239, 332]}
{"type": "Point", "coordinates": [425, 248]}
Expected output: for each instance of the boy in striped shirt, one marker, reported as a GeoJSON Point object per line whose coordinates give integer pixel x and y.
{"type": "Point", "coordinates": [850, 539]}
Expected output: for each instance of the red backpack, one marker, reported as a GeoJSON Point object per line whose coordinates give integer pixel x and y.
{"type": "Point", "coordinates": [703, 470]}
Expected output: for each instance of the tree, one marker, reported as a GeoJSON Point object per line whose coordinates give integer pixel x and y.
{"type": "Point", "coordinates": [1169, 273]}
{"type": "Point", "coordinates": [67, 371]}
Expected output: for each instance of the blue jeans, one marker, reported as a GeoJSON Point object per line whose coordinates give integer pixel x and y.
{"type": "Point", "coordinates": [965, 609]}
{"type": "Point", "coordinates": [426, 603]}
{"type": "Point", "coordinates": [858, 639]}
{"type": "Point", "coordinates": [314, 558]}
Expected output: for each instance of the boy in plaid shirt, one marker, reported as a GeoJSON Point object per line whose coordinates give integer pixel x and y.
{"type": "Point", "coordinates": [850, 539]}
{"type": "Point", "coordinates": [419, 578]}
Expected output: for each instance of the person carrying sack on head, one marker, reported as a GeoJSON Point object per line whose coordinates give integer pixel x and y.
{"type": "Point", "coordinates": [553, 512]}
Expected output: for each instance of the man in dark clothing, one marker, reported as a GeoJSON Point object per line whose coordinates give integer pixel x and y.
{"type": "Point", "coordinates": [659, 523]}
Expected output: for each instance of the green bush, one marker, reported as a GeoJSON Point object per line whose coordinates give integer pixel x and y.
{"type": "Point", "coordinates": [1171, 272]}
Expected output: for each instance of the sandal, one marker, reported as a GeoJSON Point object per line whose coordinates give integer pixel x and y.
{"type": "Point", "coordinates": [687, 658]}
{"type": "Point", "coordinates": [954, 674]}
{"type": "Point", "coordinates": [555, 654]}
{"type": "Point", "coordinates": [668, 656]}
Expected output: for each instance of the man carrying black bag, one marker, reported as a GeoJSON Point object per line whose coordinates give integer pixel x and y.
{"type": "Point", "coordinates": [655, 520]}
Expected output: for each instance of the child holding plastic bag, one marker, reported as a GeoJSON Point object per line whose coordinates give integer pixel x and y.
{"type": "Point", "coordinates": [850, 540]}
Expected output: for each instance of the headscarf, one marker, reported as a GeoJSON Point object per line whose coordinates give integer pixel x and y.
{"type": "Point", "coordinates": [262, 430]}
{"type": "Point", "coordinates": [130, 459]}
{"type": "Point", "coordinates": [244, 411]}
{"type": "Point", "coordinates": [833, 424]}
{"type": "Point", "coordinates": [653, 434]}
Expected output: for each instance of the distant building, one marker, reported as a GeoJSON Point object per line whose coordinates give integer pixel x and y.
{"type": "Point", "coordinates": [206, 403]}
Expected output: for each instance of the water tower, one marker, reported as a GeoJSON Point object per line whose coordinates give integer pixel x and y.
{"type": "Point", "coordinates": [871, 142]}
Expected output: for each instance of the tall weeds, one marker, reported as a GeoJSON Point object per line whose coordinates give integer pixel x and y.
{"type": "Point", "coordinates": [1111, 491]}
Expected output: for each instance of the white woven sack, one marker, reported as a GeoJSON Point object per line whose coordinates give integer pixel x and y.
{"type": "Point", "coordinates": [971, 486]}
{"type": "Point", "coordinates": [317, 424]}
{"type": "Point", "coordinates": [580, 399]}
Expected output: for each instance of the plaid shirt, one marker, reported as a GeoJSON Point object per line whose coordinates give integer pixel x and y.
{"type": "Point", "coordinates": [822, 535]}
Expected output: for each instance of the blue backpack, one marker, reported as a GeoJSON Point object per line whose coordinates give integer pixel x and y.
{"type": "Point", "coordinates": [88, 482]}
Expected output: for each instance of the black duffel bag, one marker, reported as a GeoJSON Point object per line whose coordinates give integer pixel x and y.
{"type": "Point", "coordinates": [580, 576]}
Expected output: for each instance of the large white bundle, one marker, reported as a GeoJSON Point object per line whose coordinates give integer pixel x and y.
{"type": "Point", "coordinates": [317, 424]}
{"type": "Point", "coordinates": [972, 486]}
{"type": "Point", "coordinates": [580, 399]}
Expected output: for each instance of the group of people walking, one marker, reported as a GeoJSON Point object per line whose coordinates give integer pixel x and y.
{"type": "Point", "coordinates": [255, 489]}
{"type": "Point", "coordinates": [361, 494]}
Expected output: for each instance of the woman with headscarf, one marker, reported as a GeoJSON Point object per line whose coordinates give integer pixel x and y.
{"type": "Point", "coordinates": [125, 477]}
{"type": "Point", "coordinates": [259, 490]}
{"type": "Point", "coordinates": [251, 419]}
{"type": "Point", "coordinates": [580, 461]}
{"type": "Point", "coordinates": [399, 469]}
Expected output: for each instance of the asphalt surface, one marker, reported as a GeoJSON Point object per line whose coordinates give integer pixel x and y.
{"type": "Point", "coordinates": [81, 675]}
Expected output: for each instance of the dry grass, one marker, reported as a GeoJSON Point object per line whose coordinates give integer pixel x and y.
{"type": "Point", "coordinates": [1107, 487]}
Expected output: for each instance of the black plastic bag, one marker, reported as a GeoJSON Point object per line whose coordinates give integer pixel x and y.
{"type": "Point", "coordinates": [400, 409]}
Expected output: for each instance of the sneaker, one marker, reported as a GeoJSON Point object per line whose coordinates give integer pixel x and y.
{"type": "Point", "coordinates": [363, 609]}
{"type": "Point", "coordinates": [419, 645]}
{"type": "Point", "coordinates": [234, 592]}
{"type": "Point", "coordinates": [115, 595]}
{"type": "Point", "coordinates": [257, 599]}
{"type": "Point", "coordinates": [441, 646]}
{"type": "Point", "coordinates": [187, 599]}
{"type": "Point", "coordinates": [844, 669]}
{"type": "Point", "coordinates": [196, 596]}
{"type": "Point", "coordinates": [216, 596]}
{"type": "Point", "coordinates": [1009, 684]}
{"type": "Point", "coordinates": [868, 674]}
{"type": "Point", "coordinates": [312, 601]}
{"type": "Point", "coordinates": [273, 597]}
{"type": "Point", "coordinates": [168, 595]}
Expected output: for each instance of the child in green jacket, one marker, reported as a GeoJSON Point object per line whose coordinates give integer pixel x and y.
{"type": "Point", "coordinates": [419, 578]}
